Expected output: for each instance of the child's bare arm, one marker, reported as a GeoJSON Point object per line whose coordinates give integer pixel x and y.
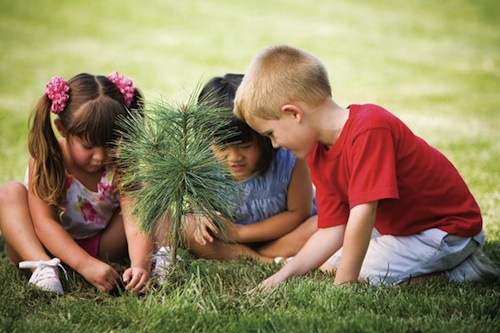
{"type": "Point", "coordinates": [357, 237]}
{"type": "Point", "coordinates": [320, 246]}
{"type": "Point", "coordinates": [140, 249]}
{"type": "Point", "coordinates": [299, 206]}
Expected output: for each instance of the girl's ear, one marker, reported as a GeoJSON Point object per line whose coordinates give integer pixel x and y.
{"type": "Point", "coordinates": [293, 111]}
{"type": "Point", "coordinates": [60, 128]}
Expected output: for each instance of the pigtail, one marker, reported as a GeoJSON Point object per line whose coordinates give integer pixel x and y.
{"type": "Point", "coordinates": [137, 103]}
{"type": "Point", "coordinates": [47, 179]}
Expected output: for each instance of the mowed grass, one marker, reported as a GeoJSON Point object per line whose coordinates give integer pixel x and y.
{"type": "Point", "coordinates": [435, 64]}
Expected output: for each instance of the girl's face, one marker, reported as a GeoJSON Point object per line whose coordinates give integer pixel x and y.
{"type": "Point", "coordinates": [242, 159]}
{"type": "Point", "coordinates": [88, 158]}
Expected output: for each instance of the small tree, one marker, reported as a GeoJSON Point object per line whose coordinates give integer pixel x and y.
{"type": "Point", "coordinates": [168, 168]}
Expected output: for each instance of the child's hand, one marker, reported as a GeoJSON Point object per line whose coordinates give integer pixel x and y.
{"type": "Point", "coordinates": [101, 275]}
{"type": "Point", "coordinates": [202, 231]}
{"type": "Point", "coordinates": [136, 279]}
{"type": "Point", "coordinates": [265, 286]}
{"type": "Point", "coordinates": [268, 283]}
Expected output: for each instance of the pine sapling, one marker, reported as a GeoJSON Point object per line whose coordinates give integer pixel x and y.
{"type": "Point", "coordinates": [168, 169]}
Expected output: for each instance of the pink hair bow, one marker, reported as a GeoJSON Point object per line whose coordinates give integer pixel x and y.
{"type": "Point", "coordinates": [57, 91]}
{"type": "Point", "coordinates": [125, 86]}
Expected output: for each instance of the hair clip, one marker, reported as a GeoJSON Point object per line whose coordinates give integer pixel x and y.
{"type": "Point", "coordinates": [124, 85]}
{"type": "Point", "coordinates": [57, 91]}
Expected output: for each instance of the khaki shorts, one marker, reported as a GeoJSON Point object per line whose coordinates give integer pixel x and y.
{"type": "Point", "coordinates": [391, 259]}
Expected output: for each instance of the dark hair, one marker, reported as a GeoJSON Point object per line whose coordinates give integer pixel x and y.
{"type": "Point", "coordinates": [219, 92]}
{"type": "Point", "coordinates": [94, 105]}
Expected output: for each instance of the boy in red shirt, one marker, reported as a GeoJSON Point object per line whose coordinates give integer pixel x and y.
{"type": "Point", "coordinates": [390, 206]}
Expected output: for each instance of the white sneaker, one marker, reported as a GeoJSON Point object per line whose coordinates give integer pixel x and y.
{"type": "Point", "coordinates": [46, 274]}
{"type": "Point", "coordinates": [161, 263]}
{"type": "Point", "coordinates": [477, 267]}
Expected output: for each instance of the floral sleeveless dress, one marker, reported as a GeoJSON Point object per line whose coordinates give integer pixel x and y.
{"type": "Point", "coordinates": [87, 212]}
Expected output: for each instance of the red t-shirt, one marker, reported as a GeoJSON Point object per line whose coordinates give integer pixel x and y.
{"type": "Point", "coordinates": [377, 157]}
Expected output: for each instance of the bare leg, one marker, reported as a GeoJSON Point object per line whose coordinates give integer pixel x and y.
{"type": "Point", "coordinates": [161, 234]}
{"type": "Point", "coordinates": [16, 225]}
{"type": "Point", "coordinates": [223, 251]}
{"type": "Point", "coordinates": [327, 268]}
{"type": "Point", "coordinates": [219, 250]}
{"type": "Point", "coordinates": [114, 241]}
{"type": "Point", "coordinates": [290, 244]}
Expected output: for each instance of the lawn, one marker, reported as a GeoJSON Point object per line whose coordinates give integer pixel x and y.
{"type": "Point", "coordinates": [435, 64]}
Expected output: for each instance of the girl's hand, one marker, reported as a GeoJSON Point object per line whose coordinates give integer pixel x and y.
{"type": "Point", "coordinates": [136, 279]}
{"type": "Point", "coordinates": [101, 275]}
{"type": "Point", "coordinates": [202, 230]}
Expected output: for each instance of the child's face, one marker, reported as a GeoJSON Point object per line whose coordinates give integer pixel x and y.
{"type": "Point", "coordinates": [242, 159]}
{"type": "Point", "coordinates": [285, 132]}
{"type": "Point", "coordinates": [86, 157]}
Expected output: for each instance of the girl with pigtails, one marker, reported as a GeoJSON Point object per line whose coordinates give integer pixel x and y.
{"type": "Point", "coordinates": [69, 211]}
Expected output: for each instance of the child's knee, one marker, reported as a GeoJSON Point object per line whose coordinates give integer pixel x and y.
{"type": "Point", "coordinates": [12, 192]}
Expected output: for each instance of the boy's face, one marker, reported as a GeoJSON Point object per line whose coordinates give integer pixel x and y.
{"type": "Point", "coordinates": [287, 132]}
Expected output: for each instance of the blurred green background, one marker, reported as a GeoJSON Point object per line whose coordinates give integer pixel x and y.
{"type": "Point", "coordinates": [435, 64]}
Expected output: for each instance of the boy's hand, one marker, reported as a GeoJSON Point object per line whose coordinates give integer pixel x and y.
{"type": "Point", "coordinates": [269, 283]}
{"type": "Point", "coordinates": [136, 279]}
{"type": "Point", "coordinates": [266, 285]}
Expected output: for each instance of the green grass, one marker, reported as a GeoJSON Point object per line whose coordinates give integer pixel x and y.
{"type": "Point", "coordinates": [435, 64]}
{"type": "Point", "coordinates": [212, 296]}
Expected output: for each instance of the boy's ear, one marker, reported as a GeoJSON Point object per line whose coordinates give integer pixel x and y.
{"type": "Point", "coordinates": [293, 111]}
{"type": "Point", "coordinates": [60, 128]}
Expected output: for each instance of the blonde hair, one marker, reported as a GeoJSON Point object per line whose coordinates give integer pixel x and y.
{"type": "Point", "coordinates": [279, 75]}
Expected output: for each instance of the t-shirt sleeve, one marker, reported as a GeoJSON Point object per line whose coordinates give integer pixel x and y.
{"type": "Point", "coordinates": [331, 210]}
{"type": "Point", "coordinates": [373, 167]}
